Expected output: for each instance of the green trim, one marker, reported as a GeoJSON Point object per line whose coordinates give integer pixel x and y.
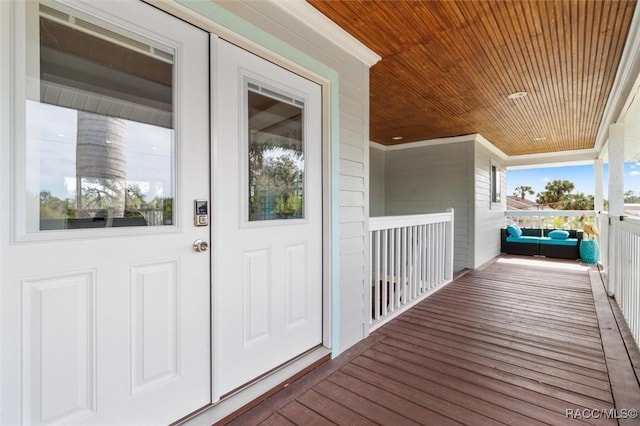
{"type": "Point", "coordinates": [218, 14]}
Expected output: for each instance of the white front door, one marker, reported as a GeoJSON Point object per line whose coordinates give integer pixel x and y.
{"type": "Point", "coordinates": [267, 178]}
{"type": "Point", "coordinates": [106, 304]}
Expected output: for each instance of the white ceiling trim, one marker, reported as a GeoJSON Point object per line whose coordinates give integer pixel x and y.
{"type": "Point", "coordinates": [377, 146]}
{"type": "Point", "coordinates": [491, 147]}
{"type": "Point", "coordinates": [542, 159]}
{"type": "Point", "coordinates": [625, 81]}
{"type": "Point", "coordinates": [474, 137]}
{"type": "Point", "coordinates": [582, 156]}
{"type": "Point", "coordinates": [321, 24]}
{"type": "Point", "coordinates": [419, 144]}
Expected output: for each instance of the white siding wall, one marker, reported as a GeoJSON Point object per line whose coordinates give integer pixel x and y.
{"type": "Point", "coordinates": [488, 218]}
{"type": "Point", "coordinates": [430, 179]}
{"type": "Point", "coordinates": [377, 182]}
{"type": "Point", "coordinates": [354, 153]}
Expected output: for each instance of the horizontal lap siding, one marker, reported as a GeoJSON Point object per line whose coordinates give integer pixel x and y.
{"type": "Point", "coordinates": [353, 152]}
{"type": "Point", "coordinates": [352, 183]}
{"type": "Point", "coordinates": [488, 219]}
{"type": "Point", "coordinates": [352, 245]}
{"type": "Point", "coordinates": [351, 168]}
{"type": "Point", "coordinates": [430, 179]}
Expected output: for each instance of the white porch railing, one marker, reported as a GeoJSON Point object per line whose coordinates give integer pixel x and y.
{"type": "Point", "coordinates": [549, 219]}
{"type": "Point", "coordinates": [411, 256]}
{"type": "Point", "coordinates": [623, 260]}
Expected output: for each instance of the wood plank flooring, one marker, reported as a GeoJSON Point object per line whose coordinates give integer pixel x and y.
{"type": "Point", "coordinates": [516, 343]}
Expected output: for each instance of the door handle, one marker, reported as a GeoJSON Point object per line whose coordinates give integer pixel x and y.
{"type": "Point", "coordinates": [200, 245]}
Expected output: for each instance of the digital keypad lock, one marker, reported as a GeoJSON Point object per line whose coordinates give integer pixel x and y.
{"type": "Point", "coordinates": [201, 212]}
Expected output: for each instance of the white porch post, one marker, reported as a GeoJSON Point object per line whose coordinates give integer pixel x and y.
{"type": "Point", "coordinates": [598, 202]}
{"type": "Point", "coordinates": [616, 169]}
{"type": "Point", "coordinates": [450, 238]}
{"type": "Point", "coordinates": [616, 201]}
{"type": "Point", "coordinates": [598, 207]}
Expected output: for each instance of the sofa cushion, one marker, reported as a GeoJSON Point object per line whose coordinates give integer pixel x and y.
{"type": "Point", "coordinates": [523, 239]}
{"type": "Point", "coordinates": [571, 242]}
{"type": "Point", "coordinates": [514, 230]}
{"type": "Point", "coordinates": [559, 234]}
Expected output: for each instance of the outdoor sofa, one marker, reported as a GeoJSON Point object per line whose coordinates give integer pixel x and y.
{"type": "Point", "coordinates": [564, 244]}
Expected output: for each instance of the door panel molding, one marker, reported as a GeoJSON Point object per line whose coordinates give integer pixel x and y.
{"type": "Point", "coordinates": [58, 347]}
{"type": "Point", "coordinates": [155, 325]}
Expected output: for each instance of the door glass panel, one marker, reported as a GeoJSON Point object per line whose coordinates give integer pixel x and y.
{"type": "Point", "coordinates": [276, 155]}
{"type": "Point", "coordinates": [100, 128]}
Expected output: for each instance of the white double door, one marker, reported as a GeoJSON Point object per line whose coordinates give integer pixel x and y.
{"type": "Point", "coordinates": [114, 324]}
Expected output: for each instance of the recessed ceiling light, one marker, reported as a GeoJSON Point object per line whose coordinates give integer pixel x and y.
{"type": "Point", "coordinates": [397, 138]}
{"type": "Point", "coordinates": [540, 138]}
{"type": "Point", "coordinates": [517, 95]}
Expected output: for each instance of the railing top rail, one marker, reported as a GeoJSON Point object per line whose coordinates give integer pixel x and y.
{"type": "Point", "coordinates": [632, 222]}
{"type": "Point", "coordinates": [388, 222]}
{"type": "Point", "coordinates": [517, 213]}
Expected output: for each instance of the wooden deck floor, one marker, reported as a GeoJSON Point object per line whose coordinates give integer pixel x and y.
{"type": "Point", "coordinates": [511, 344]}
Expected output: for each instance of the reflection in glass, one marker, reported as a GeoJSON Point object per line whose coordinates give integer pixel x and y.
{"type": "Point", "coordinates": [276, 156]}
{"type": "Point", "coordinates": [100, 138]}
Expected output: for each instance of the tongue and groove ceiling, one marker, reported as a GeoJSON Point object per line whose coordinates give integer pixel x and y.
{"type": "Point", "coordinates": [448, 68]}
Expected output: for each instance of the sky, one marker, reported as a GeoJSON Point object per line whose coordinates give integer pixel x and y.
{"type": "Point", "coordinates": [582, 177]}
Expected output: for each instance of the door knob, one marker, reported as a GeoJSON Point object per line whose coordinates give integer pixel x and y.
{"type": "Point", "coordinates": [200, 245]}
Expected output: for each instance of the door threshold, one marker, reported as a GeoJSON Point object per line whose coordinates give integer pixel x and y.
{"type": "Point", "coordinates": [269, 373]}
{"type": "Point", "coordinates": [245, 399]}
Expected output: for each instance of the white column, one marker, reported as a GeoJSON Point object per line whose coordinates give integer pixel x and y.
{"type": "Point", "coordinates": [601, 221]}
{"type": "Point", "coordinates": [616, 201]}
{"type": "Point", "coordinates": [598, 204]}
{"type": "Point", "coordinates": [616, 169]}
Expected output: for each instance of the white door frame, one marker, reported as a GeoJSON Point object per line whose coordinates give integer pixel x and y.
{"type": "Point", "coordinates": [7, 397]}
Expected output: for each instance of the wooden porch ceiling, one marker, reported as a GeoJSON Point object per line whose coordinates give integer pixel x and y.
{"type": "Point", "coordinates": [448, 67]}
{"type": "Point", "coordinates": [511, 344]}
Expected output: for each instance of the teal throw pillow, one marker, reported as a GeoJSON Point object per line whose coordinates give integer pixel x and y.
{"type": "Point", "coordinates": [559, 234]}
{"type": "Point", "coordinates": [514, 230]}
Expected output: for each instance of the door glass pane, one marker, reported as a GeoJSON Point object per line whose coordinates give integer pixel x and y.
{"type": "Point", "coordinates": [100, 132]}
{"type": "Point", "coordinates": [276, 155]}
